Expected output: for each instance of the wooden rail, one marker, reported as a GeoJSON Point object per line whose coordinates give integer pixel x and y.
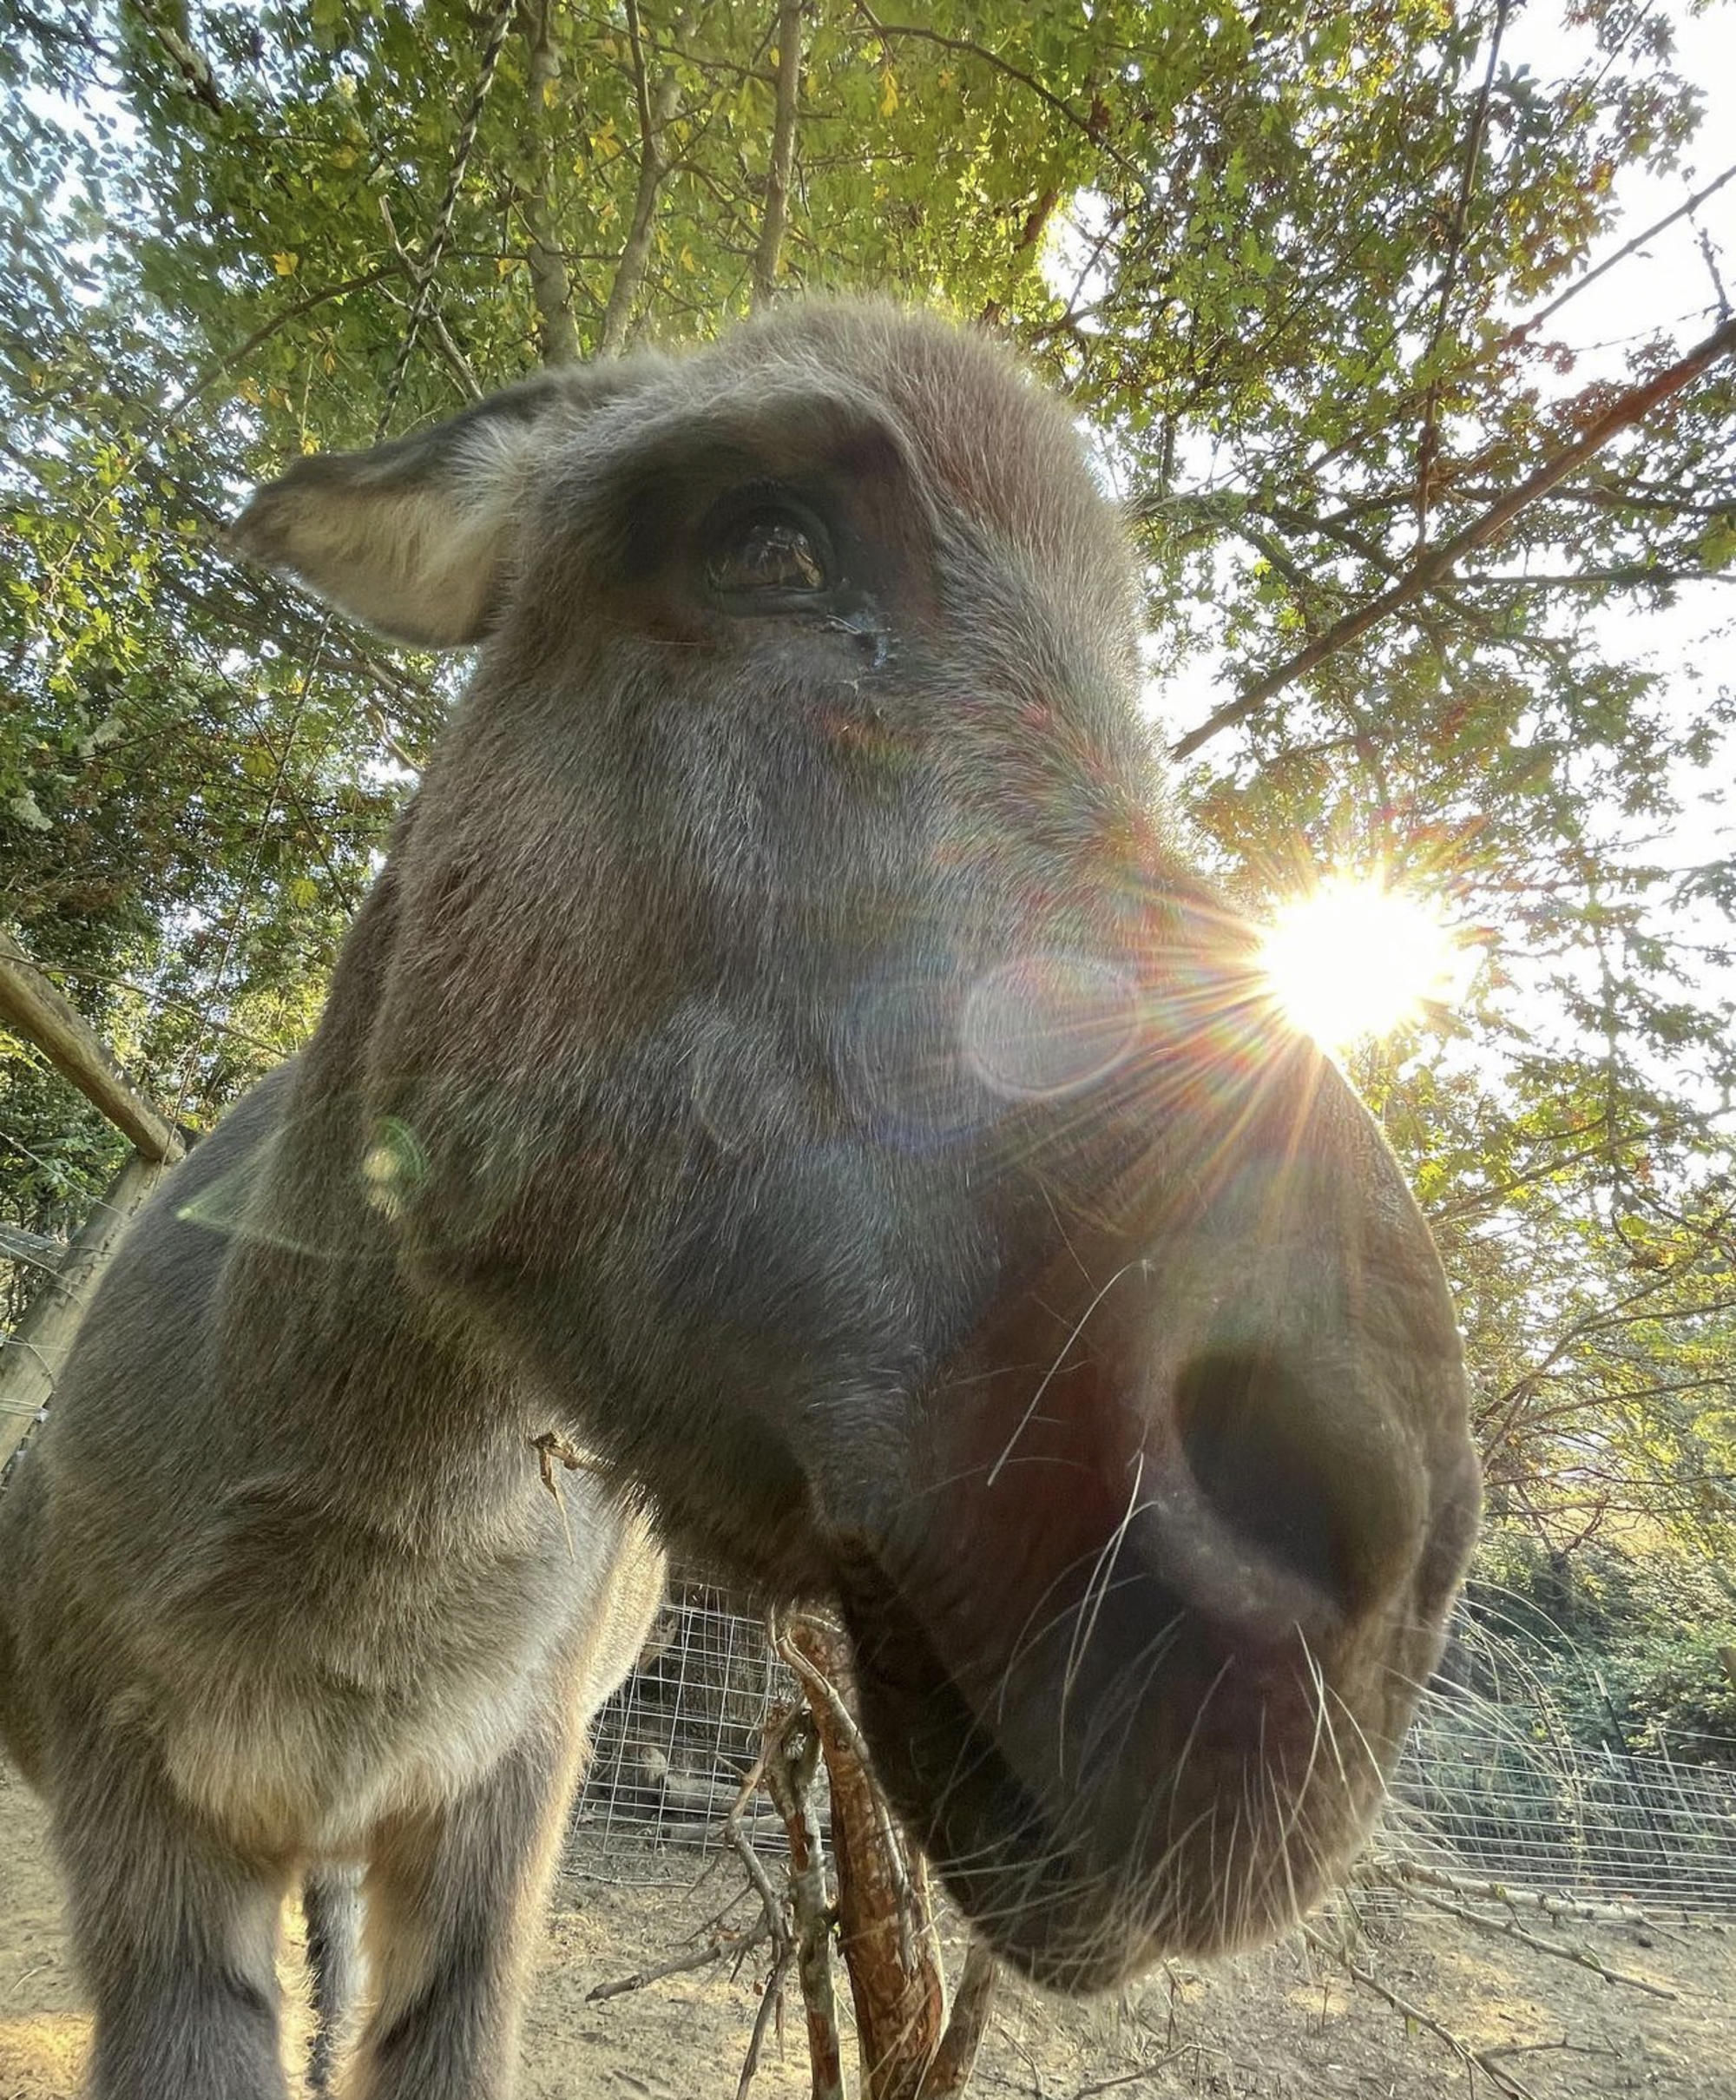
{"type": "Point", "coordinates": [42, 1015]}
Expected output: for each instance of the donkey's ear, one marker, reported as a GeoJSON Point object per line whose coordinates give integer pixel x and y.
{"type": "Point", "coordinates": [415, 537]}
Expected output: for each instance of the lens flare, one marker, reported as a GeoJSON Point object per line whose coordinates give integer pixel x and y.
{"type": "Point", "coordinates": [1354, 960]}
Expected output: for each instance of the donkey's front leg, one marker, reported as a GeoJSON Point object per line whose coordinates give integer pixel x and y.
{"type": "Point", "coordinates": [454, 1900]}
{"type": "Point", "coordinates": [176, 1934]}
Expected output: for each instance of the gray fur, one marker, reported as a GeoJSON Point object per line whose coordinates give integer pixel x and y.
{"type": "Point", "coordinates": [786, 1054]}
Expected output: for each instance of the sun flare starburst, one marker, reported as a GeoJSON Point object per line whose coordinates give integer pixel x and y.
{"type": "Point", "coordinates": [1355, 960]}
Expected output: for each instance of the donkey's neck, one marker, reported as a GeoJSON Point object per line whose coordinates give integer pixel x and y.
{"type": "Point", "coordinates": [382, 1401]}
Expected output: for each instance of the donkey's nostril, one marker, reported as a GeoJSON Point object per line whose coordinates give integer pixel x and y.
{"type": "Point", "coordinates": [1250, 1433]}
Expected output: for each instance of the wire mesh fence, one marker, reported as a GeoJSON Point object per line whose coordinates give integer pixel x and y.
{"type": "Point", "coordinates": [1493, 1791]}
{"type": "Point", "coordinates": [671, 1749]}
{"type": "Point", "coordinates": [1476, 1789]}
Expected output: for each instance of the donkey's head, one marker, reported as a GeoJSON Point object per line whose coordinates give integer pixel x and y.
{"type": "Point", "coordinates": [793, 1035]}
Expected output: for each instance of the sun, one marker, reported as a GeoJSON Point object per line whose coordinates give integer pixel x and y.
{"type": "Point", "coordinates": [1355, 959]}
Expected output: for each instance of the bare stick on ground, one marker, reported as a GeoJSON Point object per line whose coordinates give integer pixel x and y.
{"type": "Point", "coordinates": [1483, 2059]}
{"type": "Point", "coordinates": [717, 1948]}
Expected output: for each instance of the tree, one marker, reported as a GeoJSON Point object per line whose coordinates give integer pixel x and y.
{"type": "Point", "coordinates": [1298, 266]}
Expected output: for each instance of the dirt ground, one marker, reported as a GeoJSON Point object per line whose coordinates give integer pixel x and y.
{"type": "Point", "coordinates": [1280, 2026]}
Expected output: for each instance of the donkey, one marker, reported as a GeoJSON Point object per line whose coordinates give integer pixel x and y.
{"type": "Point", "coordinates": [787, 1055]}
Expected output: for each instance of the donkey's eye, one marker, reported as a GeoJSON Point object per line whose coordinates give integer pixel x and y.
{"type": "Point", "coordinates": [773, 555]}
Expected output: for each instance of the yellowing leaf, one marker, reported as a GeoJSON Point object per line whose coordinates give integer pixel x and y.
{"type": "Point", "coordinates": [302, 893]}
{"type": "Point", "coordinates": [888, 92]}
{"type": "Point", "coordinates": [286, 262]}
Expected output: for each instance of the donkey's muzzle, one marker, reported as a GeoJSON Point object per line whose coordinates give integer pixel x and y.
{"type": "Point", "coordinates": [1178, 1534]}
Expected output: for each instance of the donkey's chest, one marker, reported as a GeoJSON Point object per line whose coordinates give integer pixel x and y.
{"type": "Point", "coordinates": [373, 1686]}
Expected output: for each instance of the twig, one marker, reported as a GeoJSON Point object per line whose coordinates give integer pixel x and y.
{"type": "Point", "coordinates": [552, 1448]}
{"type": "Point", "coordinates": [1510, 1928]}
{"type": "Point", "coordinates": [1708, 255]}
{"type": "Point", "coordinates": [699, 1958]}
{"type": "Point", "coordinates": [1539, 2049]}
{"type": "Point", "coordinates": [1483, 2059]}
{"type": "Point", "coordinates": [1092, 126]}
{"type": "Point", "coordinates": [80, 975]}
{"type": "Point", "coordinates": [1528, 326]}
{"type": "Point", "coordinates": [771, 1901]}
{"type": "Point", "coordinates": [1517, 332]}
{"type": "Point", "coordinates": [1428, 442]}
{"type": "Point", "coordinates": [1127, 2078]}
{"type": "Point", "coordinates": [457, 362]}
{"type": "Point", "coordinates": [768, 2001]}
{"type": "Point", "coordinates": [429, 267]}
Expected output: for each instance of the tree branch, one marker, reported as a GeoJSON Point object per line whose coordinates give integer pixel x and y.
{"type": "Point", "coordinates": [1432, 569]}
{"type": "Point", "coordinates": [1521, 329]}
{"type": "Point", "coordinates": [457, 363]}
{"type": "Point", "coordinates": [792, 1758]}
{"type": "Point", "coordinates": [190, 62]}
{"type": "Point", "coordinates": [654, 116]}
{"type": "Point", "coordinates": [1517, 332]}
{"type": "Point", "coordinates": [551, 289]}
{"type": "Point", "coordinates": [783, 151]}
{"type": "Point", "coordinates": [429, 269]}
{"type": "Point", "coordinates": [56, 32]}
{"type": "Point", "coordinates": [949, 2072]}
{"type": "Point", "coordinates": [1428, 442]}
